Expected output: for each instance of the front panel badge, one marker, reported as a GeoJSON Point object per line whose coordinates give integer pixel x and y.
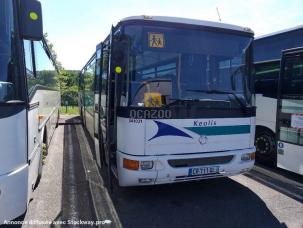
{"type": "Point", "coordinates": [203, 139]}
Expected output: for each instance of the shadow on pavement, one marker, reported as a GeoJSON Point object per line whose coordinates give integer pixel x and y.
{"type": "Point", "coordinates": [285, 182]}
{"type": "Point", "coordinates": [76, 199]}
{"type": "Point", "coordinates": [208, 203]}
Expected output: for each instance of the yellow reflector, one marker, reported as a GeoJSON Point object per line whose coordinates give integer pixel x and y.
{"type": "Point", "coordinates": [152, 100]}
{"type": "Point", "coordinates": [33, 16]}
{"type": "Point", "coordinates": [130, 164]}
{"type": "Point", "coordinates": [253, 156]}
{"type": "Point", "coordinates": [118, 69]}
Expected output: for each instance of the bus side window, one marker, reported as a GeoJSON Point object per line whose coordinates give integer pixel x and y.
{"type": "Point", "coordinates": [104, 75]}
{"type": "Point", "coordinates": [29, 65]}
{"type": "Point", "coordinates": [44, 67]}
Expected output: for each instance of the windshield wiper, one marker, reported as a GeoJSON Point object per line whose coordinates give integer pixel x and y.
{"type": "Point", "coordinates": [215, 91]}
{"type": "Point", "coordinates": [177, 101]}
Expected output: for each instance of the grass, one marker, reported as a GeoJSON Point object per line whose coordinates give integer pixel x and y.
{"type": "Point", "coordinates": [44, 153]}
{"type": "Point", "coordinates": [69, 110]}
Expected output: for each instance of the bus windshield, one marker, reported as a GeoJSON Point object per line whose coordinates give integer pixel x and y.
{"type": "Point", "coordinates": [9, 80]}
{"type": "Point", "coordinates": [171, 64]}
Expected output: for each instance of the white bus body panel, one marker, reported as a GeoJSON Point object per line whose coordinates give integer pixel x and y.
{"type": "Point", "coordinates": [138, 140]}
{"type": "Point", "coordinates": [291, 158]}
{"type": "Point", "coordinates": [13, 197]}
{"type": "Point", "coordinates": [13, 166]}
{"type": "Point", "coordinates": [13, 142]}
{"type": "Point", "coordinates": [135, 136]}
{"type": "Point", "coordinates": [183, 145]}
{"type": "Point", "coordinates": [266, 112]}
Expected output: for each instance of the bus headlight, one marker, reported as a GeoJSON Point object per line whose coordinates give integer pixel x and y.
{"type": "Point", "coordinates": [248, 157]}
{"type": "Point", "coordinates": [135, 165]}
{"type": "Point", "coordinates": [146, 165]}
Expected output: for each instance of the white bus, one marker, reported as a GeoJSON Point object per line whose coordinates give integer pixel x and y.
{"type": "Point", "coordinates": [169, 99]}
{"type": "Point", "coordinates": [268, 54]}
{"type": "Point", "coordinates": [29, 102]}
{"type": "Point", "coordinates": [287, 114]}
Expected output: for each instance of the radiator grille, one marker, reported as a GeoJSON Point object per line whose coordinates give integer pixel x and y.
{"type": "Point", "coordinates": [178, 163]}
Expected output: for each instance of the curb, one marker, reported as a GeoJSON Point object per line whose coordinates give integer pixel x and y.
{"type": "Point", "coordinates": [104, 208]}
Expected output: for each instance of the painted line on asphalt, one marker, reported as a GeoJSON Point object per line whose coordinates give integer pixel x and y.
{"type": "Point", "coordinates": [72, 189]}
{"type": "Point", "coordinates": [278, 176]}
{"type": "Point", "coordinates": [274, 186]}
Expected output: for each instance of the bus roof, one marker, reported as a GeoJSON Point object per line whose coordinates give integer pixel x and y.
{"type": "Point", "coordinates": [181, 20]}
{"type": "Point", "coordinates": [269, 47]}
{"type": "Point", "coordinates": [280, 32]}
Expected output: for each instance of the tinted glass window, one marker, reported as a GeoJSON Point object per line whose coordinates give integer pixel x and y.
{"type": "Point", "coordinates": [31, 81]}
{"type": "Point", "coordinates": [104, 76]}
{"type": "Point", "coordinates": [166, 64]}
{"type": "Point", "coordinates": [89, 76]}
{"type": "Point", "coordinates": [266, 78]}
{"type": "Point", "coordinates": [10, 80]}
{"type": "Point", "coordinates": [45, 70]}
{"type": "Point", "coordinates": [293, 75]}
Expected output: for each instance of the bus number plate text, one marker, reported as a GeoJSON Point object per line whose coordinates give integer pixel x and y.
{"type": "Point", "coordinates": [203, 170]}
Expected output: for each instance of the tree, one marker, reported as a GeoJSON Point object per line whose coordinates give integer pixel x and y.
{"type": "Point", "coordinates": [67, 80]}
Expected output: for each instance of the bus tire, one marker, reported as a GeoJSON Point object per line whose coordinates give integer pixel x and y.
{"type": "Point", "coordinates": [265, 146]}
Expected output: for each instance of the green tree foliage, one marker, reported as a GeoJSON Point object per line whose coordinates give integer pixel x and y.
{"type": "Point", "coordinates": [67, 80]}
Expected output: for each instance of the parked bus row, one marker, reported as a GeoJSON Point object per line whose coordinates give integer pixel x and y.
{"type": "Point", "coordinates": [29, 103]}
{"type": "Point", "coordinates": [164, 100]}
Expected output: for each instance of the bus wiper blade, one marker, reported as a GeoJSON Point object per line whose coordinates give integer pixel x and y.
{"type": "Point", "coordinates": [215, 91]}
{"type": "Point", "coordinates": [238, 99]}
{"type": "Point", "coordinates": [177, 101]}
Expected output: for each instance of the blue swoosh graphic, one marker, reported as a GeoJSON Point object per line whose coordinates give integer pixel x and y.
{"type": "Point", "coordinates": [168, 130]}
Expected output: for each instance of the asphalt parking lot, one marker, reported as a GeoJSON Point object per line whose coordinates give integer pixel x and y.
{"type": "Point", "coordinates": [72, 190]}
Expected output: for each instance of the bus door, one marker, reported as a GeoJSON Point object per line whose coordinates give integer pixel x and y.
{"type": "Point", "coordinates": [290, 112]}
{"type": "Point", "coordinates": [97, 136]}
{"type": "Point", "coordinates": [102, 122]}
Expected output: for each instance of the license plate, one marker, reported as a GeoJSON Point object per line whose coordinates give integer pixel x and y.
{"type": "Point", "coordinates": [203, 170]}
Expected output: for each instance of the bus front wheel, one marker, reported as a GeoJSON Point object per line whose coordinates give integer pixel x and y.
{"type": "Point", "coordinates": [265, 146]}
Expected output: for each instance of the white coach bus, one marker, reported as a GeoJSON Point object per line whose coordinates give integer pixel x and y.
{"type": "Point", "coordinates": [271, 130]}
{"type": "Point", "coordinates": [169, 99]}
{"type": "Point", "coordinates": [29, 102]}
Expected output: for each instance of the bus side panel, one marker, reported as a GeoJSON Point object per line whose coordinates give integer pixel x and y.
{"type": "Point", "coordinates": [49, 107]}
{"type": "Point", "coordinates": [266, 112]}
{"type": "Point", "coordinates": [13, 142]}
{"type": "Point", "coordinates": [13, 166]}
{"type": "Point", "coordinates": [34, 144]}
{"type": "Point", "coordinates": [13, 197]}
{"type": "Point", "coordinates": [291, 158]}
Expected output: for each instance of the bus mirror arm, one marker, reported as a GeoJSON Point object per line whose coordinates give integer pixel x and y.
{"type": "Point", "coordinates": [31, 20]}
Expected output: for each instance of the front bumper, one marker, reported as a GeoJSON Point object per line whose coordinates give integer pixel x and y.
{"type": "Point", "coordinates": [13, 194]}
{"type": "Point", "coordinates": [162, 172]}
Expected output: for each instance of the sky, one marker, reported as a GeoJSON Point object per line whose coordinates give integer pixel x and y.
{"type": "Point", "coordinates": [75, 27]}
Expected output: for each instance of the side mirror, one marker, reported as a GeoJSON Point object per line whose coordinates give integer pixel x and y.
{"type": "Point", "coordinates": [31, 20]}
